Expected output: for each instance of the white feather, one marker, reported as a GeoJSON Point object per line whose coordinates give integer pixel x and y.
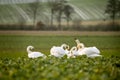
{"type": "Point", "coordinates": [58, 51]}
{"type": "Point", "coordinates": [88, 51]}
{"type": "Point", "coordinates": [34, 54]}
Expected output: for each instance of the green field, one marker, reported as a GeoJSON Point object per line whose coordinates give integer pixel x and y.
{"type": "Point", "coordinates": [15, 44]}
{"type": "Point", "coordinates": [15, 65]}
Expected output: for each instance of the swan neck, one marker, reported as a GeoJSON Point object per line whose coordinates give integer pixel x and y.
{"type": "Point", "coordinates": [28, 50]}
{"type": "Point", "coordinates": [73, 49]}
{"type": "Point", "coordinates": [77, 41]}
{"type": "Point", "coordinates": [63, 46]}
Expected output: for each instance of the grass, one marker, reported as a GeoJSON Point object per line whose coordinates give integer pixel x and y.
{"type": "Point", "coordinates": [14, 64]}
{"type": "Point", "coordinates": [15, 45]}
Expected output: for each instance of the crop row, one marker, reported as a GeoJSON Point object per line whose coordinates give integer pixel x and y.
{"type": "Point", "coordinates": [52, 68]}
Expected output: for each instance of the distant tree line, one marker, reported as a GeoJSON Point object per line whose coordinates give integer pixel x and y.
{"type": "Point", "coordinates": [58, 8]}
{"type": "Point", "coordinates": [113, 9]}
{"type": "Point", "coordinates": [73, 27]}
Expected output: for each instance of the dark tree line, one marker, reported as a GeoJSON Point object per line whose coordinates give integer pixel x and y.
{"type": "Point", "coordinates": [60, 8]}
{"type": "Point", "coordinates": [113, 9]}
{"type": "Point", "coordinates": [35, 10]}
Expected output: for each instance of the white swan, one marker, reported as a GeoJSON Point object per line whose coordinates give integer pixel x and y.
{"type": "Point", "coordinates": [72, 52]}
{"type": "Point", "coordinates": [79, 44]}
{"type": "Point", "coordinates": [34, 54]}
{"type": "Point", "coordinates": [59, 51]}
{"type": "Point", "coordinates": [88, 51]}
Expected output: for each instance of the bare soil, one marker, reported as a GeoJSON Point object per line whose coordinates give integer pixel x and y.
{"type": "Point", "coordinates": [62, 33]}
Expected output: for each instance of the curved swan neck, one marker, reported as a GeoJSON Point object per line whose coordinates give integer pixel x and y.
{"type": "Point", "coordinates": [29, 49]}
{"type": "Point", "coordinates": [80, 46]}
{"type": "Point", "coordinates": [73, 49]}
{"type": "Point", "coordinates": [63, 46]}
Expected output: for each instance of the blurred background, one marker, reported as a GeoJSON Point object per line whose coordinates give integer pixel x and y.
{"type": "Point", "coordinates": [80, 15]}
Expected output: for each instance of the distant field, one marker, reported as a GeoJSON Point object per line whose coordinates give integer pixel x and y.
{"type": "Point", "coordinates": [15, 65]}
{"type": "Point", "coordinates": [61, 33]}
{"type": "Point", "coordinates": [84, 10]}
{"type": "Point", "coordinates": [14, 43]}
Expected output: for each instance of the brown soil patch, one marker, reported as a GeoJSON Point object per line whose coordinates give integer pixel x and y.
{"type": "Point", "coordinates": [61, 33]}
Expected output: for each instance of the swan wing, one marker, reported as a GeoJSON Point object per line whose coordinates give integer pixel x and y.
{"type": "Point", "coordinates": [82, 52]}
{"type": "Point", "coordinates": [35, 55]}
{"type": "Point", "coordinates": [91, 50]}
{"type": "Point", "coordinates": [76, 53]}
{"type": "Point", "coordinates": [57, 51]}
{"type": "Point", "coordinates": [96, 50]}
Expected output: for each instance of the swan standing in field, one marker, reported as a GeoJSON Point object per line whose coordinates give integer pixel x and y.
{"type": "Point", "coordinates": [59, 51]}
{"type": "Point", "coordinates": [32, 54]}
{"type": "Point", "coordinates": [88, 51]}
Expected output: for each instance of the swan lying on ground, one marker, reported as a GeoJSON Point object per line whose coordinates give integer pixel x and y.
{"type": "Point", "coordinates": [59, 51]}
{"type": "Point", "coordinates": [34, 54]}
{"type": "Point", "coordinates": [88, 51]}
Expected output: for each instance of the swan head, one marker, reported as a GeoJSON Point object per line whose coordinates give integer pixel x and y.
{"type": "Point", "coordinates": [29, 48]}
{"type": "Point", "coordinates": [71, 52]}
{"type": "Point", "coordinates": [65, 46]}
{"type": "Point", "coordinates": [80, 46]}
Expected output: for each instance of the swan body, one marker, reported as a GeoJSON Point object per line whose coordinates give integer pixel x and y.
{"type": "Point", "coordinates": [88, 51]}
{"type": "Point", "coordinates": [34, 54]}
{"type": "Point", "coordinates": [58, 51]}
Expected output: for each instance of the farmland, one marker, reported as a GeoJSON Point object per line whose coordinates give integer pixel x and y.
{"type": "Point", "coordinates": [15, 65]}
{"type": "Point", "coordinates": [14, 43]}
{"type": "Point", "coordinates": [18, 13]}
{"type": "Point", "coordinates": [81, 68]}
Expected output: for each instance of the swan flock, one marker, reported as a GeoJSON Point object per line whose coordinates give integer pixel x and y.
{"type": "Point", "coordinates": [64, 49]}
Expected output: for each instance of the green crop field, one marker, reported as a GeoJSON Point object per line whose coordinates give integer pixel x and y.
{"type": "Point", "coordinates": [15, 65]}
